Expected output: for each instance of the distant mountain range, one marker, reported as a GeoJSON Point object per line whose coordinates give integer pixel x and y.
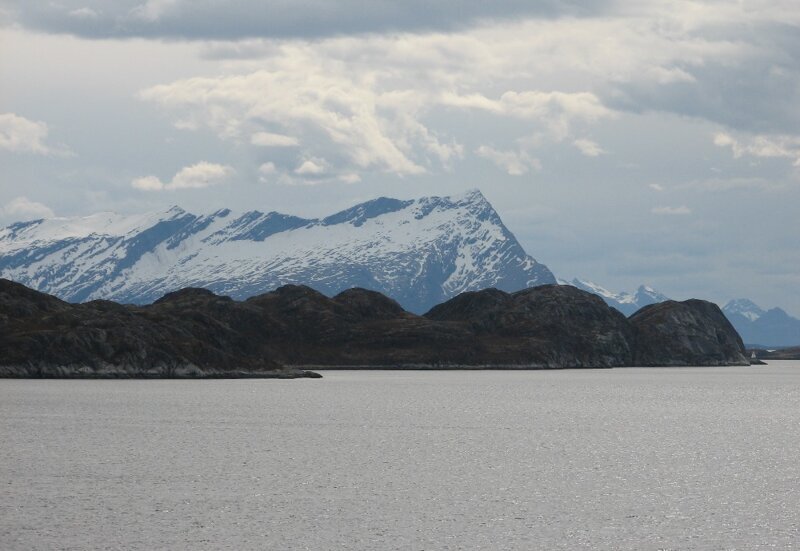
{"type": "Point", "coordinates": [418, 252]}
{"type": "Point", "coordinates": [760, 328]}
{"type": "Point", "coordinates": [627, 303]}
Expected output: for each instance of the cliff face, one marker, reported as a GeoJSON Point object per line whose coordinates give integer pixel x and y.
{"type": "Point", "coordinates": [693, 332]}
{"type": "Point", "coordinates": [195, 333]}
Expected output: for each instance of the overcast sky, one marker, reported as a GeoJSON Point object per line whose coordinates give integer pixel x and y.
{"type": "Point", "coordinates": [622, 142]}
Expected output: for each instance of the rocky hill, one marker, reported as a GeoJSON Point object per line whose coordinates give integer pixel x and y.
{"type": "Point", "coordinates": [695, 332]}
{"type": "Point", "coordinates": [195, 333]}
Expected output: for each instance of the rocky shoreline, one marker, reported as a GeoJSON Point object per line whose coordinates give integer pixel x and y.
{"type": "Point", "coordinates": [193, 333]}
{"type": "Point", "coordinates": [113, 372]}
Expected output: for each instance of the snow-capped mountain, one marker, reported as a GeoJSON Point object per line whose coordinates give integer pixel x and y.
{"type": "Point", "coordinates": [759, 327]}
{"type": "Point", "coordinates": [419, 252]}
{"type": "Point", "coordinates": [743, 307]}
{"type": "Point", "coordinates": [627, 303]}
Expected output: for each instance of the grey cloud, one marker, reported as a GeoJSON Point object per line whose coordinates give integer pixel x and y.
{"type": "Point", "coordinates": [237, 19]}
{"type": "Point", "coordinates": [754, 87]}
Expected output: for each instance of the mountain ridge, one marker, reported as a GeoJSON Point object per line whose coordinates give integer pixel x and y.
{"type": "Point", "coordinates": [759, 327]}
{"type": "Point", "coordinates": [417, 251]}
{"type": "Point", "coordinates": [627, 303]}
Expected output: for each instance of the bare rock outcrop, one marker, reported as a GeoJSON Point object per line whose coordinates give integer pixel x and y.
{"type": "Point", "coordinates": [692, 332]}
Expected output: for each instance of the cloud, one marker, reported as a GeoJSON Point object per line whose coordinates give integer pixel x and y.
{"type": "Point", "coordinates": [588, 147]}
{"type": "Point", "coordinates": [267, 168]}
{"type": "Point", "coordinates": [341, 114]}
{"type": "Point", "coordinates": [656, 187]}
{"type": "Point", "coordinates": [375, 102]}
{"type": "Point", "coordinates": [235, 19]}
{"type": "Point", "coordinates": [312, 167]}
{"type": "Point", "coordinates": [22, 209]}
{"type": "Point", "coordinates": [21, 135]}
{"type": "Point", "coordinates": [672, 211]}
{"type": "Point", "coordinates": [154, 11]}
{"type": "Point", "coordinates": [556, 109]}
{"type": "Point", "coordinates": [734, 63]}
{"type": "Point", "coordinates": [778, 146]}
{"type": "Point", "coordinates": [268, 139]}
{"type": "Point", "coordinates": [513, 162]}
{"type": "Point", "coordinates": [363, 104]}
{"type": "Point", "coordinates": [83, 13]}
{"type": "Point", "coordinates": [196, 176]}
{"type": "Point", "coordinates": [148, 183]}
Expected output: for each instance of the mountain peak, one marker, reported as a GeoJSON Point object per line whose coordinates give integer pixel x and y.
{"type": "Point", "coordinates": [626, 303]}
{"type": "Point", "coordinates": [647, 295]}
{"type": "Point", "coordinates": [743, 307]}
{"type": "Point", "coordinates": [175, 210]}
{"type": "Point", "coordinates": [773, 327]}
{"type": "Point", "coordinates": [472, 195]}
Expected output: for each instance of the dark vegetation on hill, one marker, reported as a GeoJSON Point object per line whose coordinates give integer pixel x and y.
{"type": "Point", "coordinates": [195, 333]}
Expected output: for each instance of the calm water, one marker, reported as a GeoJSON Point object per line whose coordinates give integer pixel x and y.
{"type": "Point", "coordinates": [705, 458]}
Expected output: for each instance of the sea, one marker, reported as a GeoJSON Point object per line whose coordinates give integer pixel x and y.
{"type": "Point", "coordinates": [634, 458]}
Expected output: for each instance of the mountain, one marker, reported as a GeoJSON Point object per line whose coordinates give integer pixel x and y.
{"type": "Point", "coordinates": [772, 328]}
{"type": "Point", "coordinates": [418, 252]}
{"type": "Point", "coordinates": [195, 333]}
{"type": "Point", "coordinates": [743, 308]}
{"type": "Point", "coordinates": [627, 303]}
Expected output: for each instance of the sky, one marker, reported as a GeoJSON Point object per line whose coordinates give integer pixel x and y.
{"type": "Point", "coordinates": [626, 143]}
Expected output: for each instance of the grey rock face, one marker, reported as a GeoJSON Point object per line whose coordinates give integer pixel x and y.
{"type": "Point", "coordinates": [692, 332]}
{"type": "Point", "coordinates": [547, 326]}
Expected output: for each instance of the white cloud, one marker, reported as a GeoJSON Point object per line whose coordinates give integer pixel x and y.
{"type": "Point", "coordinates": [22, 209]}
{"type": "Point", "coordinates": [364, 103]}
{"type": "Point", "coordinates": [656, 187]}
{"type": "Point", "coordinates": [311, 167]}
{"type": "Point", "coordinates": [196, 176]}
{"type": "Point", "coordinates": [267, 168]}
{"type": "Point", "coordinates": [268, 139]}
{"type": "Point", "coordinates": [672, 211]}
{"type": "Point", "coordinates": [148, 183]}
{"type": "Point", "coordinates": [588, 147]}
{"type": "Point", "coordinates": [777, 146]}
{"type": "Point", "coordinates": [342, 115]}
{"type": "Point", "coordinates": [83, 13]}
{"type": "Point", "coordinates": [557, 110]}
{"type": "Point", "coordinates": [374, 102]}
{"type": "Point", "coordinates": [515, 163]}
{"type": "Point", "coordinates": [21, 135]}
{"type": "Point", "coordinates": [266, 171]}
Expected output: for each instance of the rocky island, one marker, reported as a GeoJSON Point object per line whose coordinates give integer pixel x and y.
{"type": "Point", "coordinates": [194, 333]}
